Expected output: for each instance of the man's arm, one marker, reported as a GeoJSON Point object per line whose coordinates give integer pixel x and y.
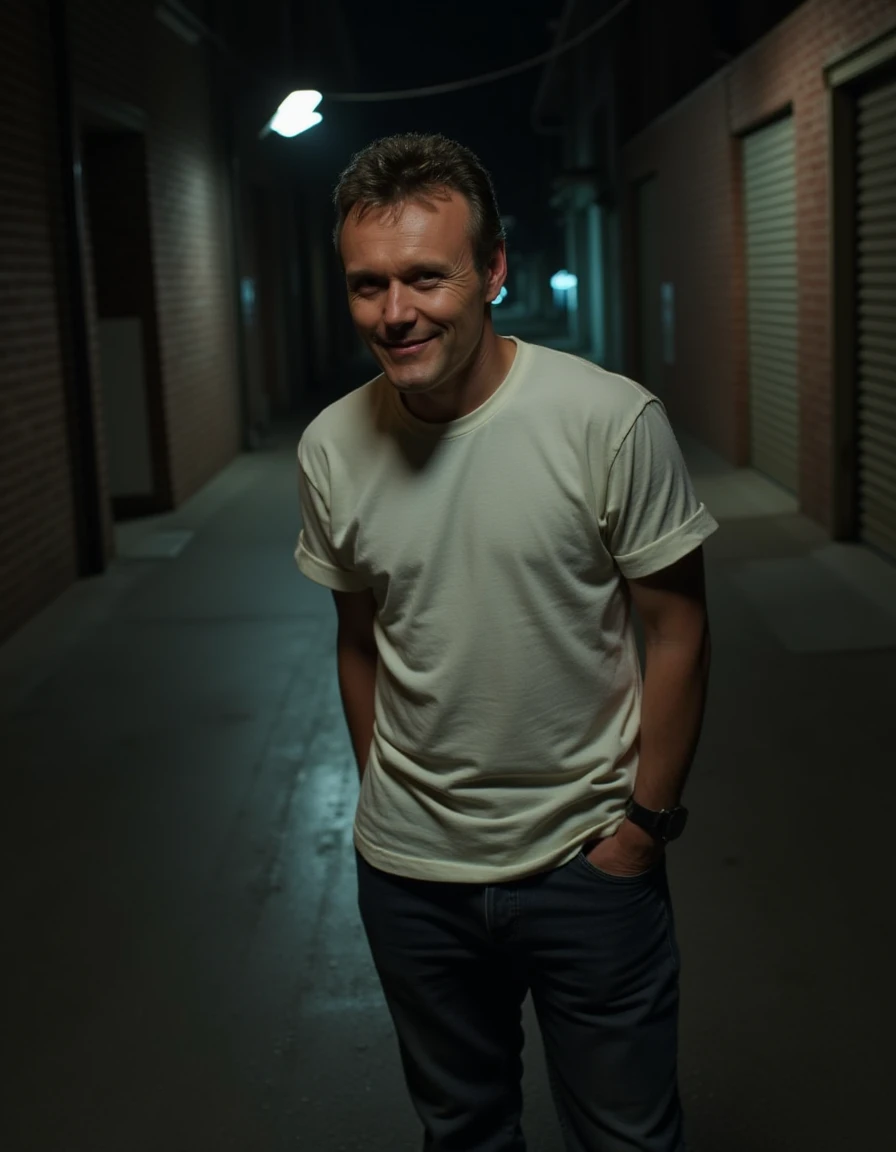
{"type": "Point", "coordinates": [356, 659]}
{"type": "Point", "coordinates": [672, 608]}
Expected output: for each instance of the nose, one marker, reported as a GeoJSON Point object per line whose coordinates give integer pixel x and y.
{"type": "Point", "coordinates": [398, 310]}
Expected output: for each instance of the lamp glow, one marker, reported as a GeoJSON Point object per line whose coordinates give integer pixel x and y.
{"type": "Point", "coordinates": [566, 291]}
{"type": "Point", "coordinates": [296, 114]}
{"type": "Point", "coordinates": [563, 281]}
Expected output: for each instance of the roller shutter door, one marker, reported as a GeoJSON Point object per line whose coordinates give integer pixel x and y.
{"type": "Point", "coordinates": [770, 216]}
{"type": "Point", "coordinates": [876, 308]}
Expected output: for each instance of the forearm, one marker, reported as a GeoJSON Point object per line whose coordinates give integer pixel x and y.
{"type": "Point", "coordinates": [674, 696]}
{"type": "Point", "coordinates": [357, 687]}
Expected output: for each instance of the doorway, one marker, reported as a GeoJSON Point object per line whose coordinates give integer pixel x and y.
{"type": "Point", "coordinates": [875, 231]}
{"type": "Point", "coordinates": [126, 322]}
{"type": "Point", "coordinates": [863, 123]}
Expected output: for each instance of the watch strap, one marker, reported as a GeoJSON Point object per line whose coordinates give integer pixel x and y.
{"type": "Point", "coordinates": [666, 824]}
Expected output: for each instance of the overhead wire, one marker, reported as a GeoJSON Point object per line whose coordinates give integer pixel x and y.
{"type": "Point", "coordinates": [485, 77]}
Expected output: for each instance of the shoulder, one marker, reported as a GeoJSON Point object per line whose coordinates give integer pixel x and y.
{"type": "Point", "coordinates": [342, 429]}
{"type": "Point", "coordinates": [605, 403]}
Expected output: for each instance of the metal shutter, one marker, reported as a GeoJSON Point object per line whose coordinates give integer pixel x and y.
{"type": "Point", "coordinates": [770, 215]}
{"type": "Point", "coordinates": [876, 345]}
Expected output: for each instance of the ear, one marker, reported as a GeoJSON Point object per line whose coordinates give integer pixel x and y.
{"type": "Point", "coordinates": [496, 271]}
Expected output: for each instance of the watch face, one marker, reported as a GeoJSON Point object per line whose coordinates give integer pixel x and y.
{"type": "Point", "coordinates": [677, 819]}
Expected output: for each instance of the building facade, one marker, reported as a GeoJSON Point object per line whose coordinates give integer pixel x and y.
{"type": "Point", "coordinates": [162, 294]}
{"type": "Point", "coordinates": [757, 260]}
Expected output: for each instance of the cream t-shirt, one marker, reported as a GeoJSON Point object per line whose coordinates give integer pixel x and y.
{"type": "Point", "coordinates": [497, 545]}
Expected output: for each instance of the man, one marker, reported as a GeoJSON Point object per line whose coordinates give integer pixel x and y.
{"type": "Point", "coordinates": [487, 512]}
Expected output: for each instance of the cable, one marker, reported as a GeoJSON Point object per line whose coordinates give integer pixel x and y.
{"type": "Point", "coordinates": [487, 77]}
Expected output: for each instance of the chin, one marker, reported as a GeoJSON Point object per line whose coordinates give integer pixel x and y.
{"type": "Point", "coordinates": [411, 378]}
{"type": "Point", "coordinates": [409, 384]}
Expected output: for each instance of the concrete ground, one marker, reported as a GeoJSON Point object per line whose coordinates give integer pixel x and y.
{"type": "Point", "coordinates": [185, 966]}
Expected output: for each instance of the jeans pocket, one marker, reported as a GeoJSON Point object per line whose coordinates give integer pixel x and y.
{"type": "Point", "coordinates": [600, 874]}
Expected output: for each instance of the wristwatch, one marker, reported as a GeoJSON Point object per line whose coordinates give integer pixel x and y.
{"type": "Point", "coordinates": [667, 824]}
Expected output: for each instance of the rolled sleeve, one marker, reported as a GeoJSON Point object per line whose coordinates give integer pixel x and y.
{"type": "Point", "coordinates": [675, 545]}
{"type": "Point", "coordinates": [315, 553]}
{"type": "Point", "coordinates": [321, 572]}
{"type": "Point", "coordinates": [653, 516]}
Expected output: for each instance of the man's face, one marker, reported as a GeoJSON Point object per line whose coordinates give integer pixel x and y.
{"type": "Point", "coordinates": [415, 294]}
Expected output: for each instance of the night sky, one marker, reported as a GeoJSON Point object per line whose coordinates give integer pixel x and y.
{"type": "Point", "coordinates": [413, 43]}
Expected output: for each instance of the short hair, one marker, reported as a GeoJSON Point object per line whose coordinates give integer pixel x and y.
{"type": "Point", "coordinates": [413, 166]}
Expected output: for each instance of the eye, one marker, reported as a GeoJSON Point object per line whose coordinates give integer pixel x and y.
{"type": "Point", "coordinates": [428, 278]}
{"type": "Point", "coordinates": [365, 287]}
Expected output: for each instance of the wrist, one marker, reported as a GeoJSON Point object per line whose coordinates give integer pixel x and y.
{"type": "Point", "coordinates": [636, 838]}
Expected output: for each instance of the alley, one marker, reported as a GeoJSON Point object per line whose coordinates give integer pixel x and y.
{"type": "Point", "coordinates": [186, 966]}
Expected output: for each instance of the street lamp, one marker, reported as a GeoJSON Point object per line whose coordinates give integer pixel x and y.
{"type": "Point", "coordinates": [296, 114]}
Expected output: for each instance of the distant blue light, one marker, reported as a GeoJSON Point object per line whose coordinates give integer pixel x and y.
{"type": "Point", "coordinates": [247, 295]}
{"type": "Point", "coordinates": [502, 295]}
{"type": "Point", "coordinates": [563, 281]}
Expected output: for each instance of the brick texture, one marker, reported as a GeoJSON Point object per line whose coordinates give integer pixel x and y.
{"type": "Point", "coordinates": [695, 152]}
{"type": "Point", "coordinates": [121, 52]}
{"type": "Point", "coordinates": [37, 532]}
{"type": "Point", "coordinates": [122, 58]}
{"type": "Point", "coordinates": [699, 256]}
{"type": "Point", "coordinates": [188, 199]}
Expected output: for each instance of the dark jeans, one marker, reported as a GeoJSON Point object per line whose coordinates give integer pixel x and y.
{"type": "Point", "coordinates": [600, 958]}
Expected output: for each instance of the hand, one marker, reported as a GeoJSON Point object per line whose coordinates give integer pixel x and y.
{"type": "Point", "coordinates": [629, 852]}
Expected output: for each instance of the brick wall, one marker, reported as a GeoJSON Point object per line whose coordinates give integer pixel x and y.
{"type": "Point", "coordinates": [194, 279]}
{"type": "Point", "coordinates": [694, 151]}
{"type": "Point", "coordinates": [124, 60]}
{"type": "Point", "coordinates": [37, 531]}
{"type": "Point", "coordinates": [693, 156]}
{"type": "Point", "coordinates": [122, 53]}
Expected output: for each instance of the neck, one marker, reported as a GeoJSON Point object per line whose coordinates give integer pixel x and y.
{"type": "Point", "coordinates": [471, 386]}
